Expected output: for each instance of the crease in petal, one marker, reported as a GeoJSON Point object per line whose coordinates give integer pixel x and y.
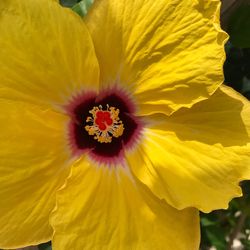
{"type": "Point", "coordinates": [46, 53]}
{"type": "Point", "coordinates": [34, 162]}
{"type": "Point", "coordinates": [197, 156]}
{"type": "Point", "coordinates": [107, 208]}
{"type": "Point", "coordinates": [167, 52]}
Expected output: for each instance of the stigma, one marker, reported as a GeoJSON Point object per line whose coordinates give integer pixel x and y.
{"type": "Point", "coordinates": [104, 125]}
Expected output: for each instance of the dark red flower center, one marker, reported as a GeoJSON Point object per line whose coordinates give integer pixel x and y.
{"type": "Point", "coordinates": [103, 125]}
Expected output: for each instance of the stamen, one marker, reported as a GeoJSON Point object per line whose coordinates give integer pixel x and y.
{"type": "Point", "coordinates": [104, 124]}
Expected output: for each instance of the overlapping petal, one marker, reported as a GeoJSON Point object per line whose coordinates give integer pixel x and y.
{"type": "Point", "coordinates": [34, 163]}
{"type": "Point", "coordinates": [107, 208]}
{"type": "Point", "coordinates": [46, 53]}
{"type": "Point", "coordinates": [196, 157]}
{"type": "Point", "coordinates": [159, 50]}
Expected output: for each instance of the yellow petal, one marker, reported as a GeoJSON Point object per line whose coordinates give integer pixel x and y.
{"type": "Point", "coordinates": [168, 53]}
{"type": "Point", "coordinates": [46, 52]}
{"type": "Point", "coordinates": [196, 157]}
{"type": "Point", "coordinates": [107, 208]}
{"type": "Point", "coordinates": [33, 163]}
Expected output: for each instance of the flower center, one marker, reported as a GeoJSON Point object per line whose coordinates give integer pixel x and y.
{"type": "Point", "coordinates": [104, 124]}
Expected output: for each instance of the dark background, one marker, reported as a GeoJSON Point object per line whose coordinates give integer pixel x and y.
{"type": "Point", "coordinates": [230, 229]}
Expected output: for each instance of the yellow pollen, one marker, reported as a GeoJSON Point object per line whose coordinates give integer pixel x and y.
{"type": "Point", "coordinates": [104, 124]}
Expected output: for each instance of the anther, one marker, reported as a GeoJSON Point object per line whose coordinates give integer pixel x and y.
{"type": "Point", "coordinates": [104, 124]}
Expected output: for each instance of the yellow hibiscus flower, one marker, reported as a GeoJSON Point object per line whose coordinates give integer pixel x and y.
{"type": "Point", "coordinates": [114, 127]}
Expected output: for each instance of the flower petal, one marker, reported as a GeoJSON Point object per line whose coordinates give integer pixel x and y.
{"type": "Point", "coordinates": [196, 157]}
{"type": "Point", "coordinates": [106, 208]}
{"type": "Point", "coordinates": [33, 163]}
{"type": "Point", "coordinates": [168, 52]}
{"type": "Point", "coordinates": [46, 52]}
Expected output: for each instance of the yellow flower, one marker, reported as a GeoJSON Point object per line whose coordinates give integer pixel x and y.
{"type": "Point", "coordinates": [112, 128]}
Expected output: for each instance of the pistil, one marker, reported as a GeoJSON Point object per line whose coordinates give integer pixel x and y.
{"type": "Point", "coordinates": [104, 124]}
